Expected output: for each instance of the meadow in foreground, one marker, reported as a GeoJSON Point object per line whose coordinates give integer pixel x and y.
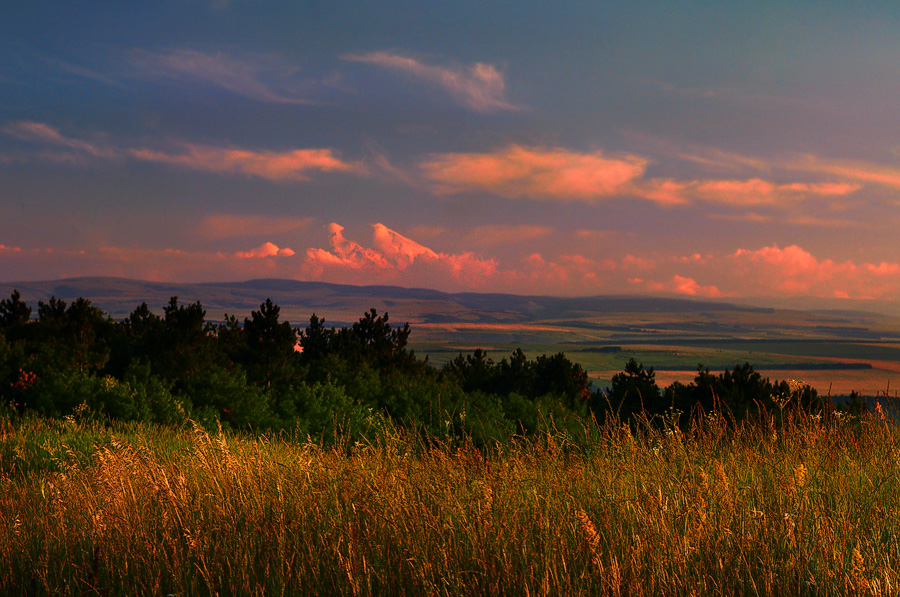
{"type": "Point", "coordinates": [114, 509]}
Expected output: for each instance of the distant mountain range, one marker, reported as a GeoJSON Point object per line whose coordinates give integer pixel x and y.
{"type": "Point", "coordinates": [345, 303]}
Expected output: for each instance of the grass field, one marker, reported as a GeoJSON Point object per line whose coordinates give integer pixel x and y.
{"type": "Point", "coordinates": [810, 507]}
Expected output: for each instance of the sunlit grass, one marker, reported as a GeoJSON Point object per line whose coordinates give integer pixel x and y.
{"type": "Point", "coordinates": [811, 508]}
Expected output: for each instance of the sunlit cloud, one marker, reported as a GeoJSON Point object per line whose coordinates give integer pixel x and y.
{"type": "Point", "coordinates": [535, 172]}
{"type": "Point", "coordinates": [235, 225]}
{"type": "Point", "coordinates": [261, 78]}
{"type": "Point", "coordinates": [742, 192]}
{"type": "Point", "coordinates": [793, 271]}
{"type": "Point", "coordinates": [576, 273]}
{"type": "Point", "coordinates": [480, 87]}
{"type": "Point", "coordinates": [271, 165]}
{"type": "Point", "coordinates": [394, 258]}
{"type": "Point", "coordinates": [268, 249]}
{"type": "Point", "coordinates": [690, 287]}
{"type": "Point", "coordinates": [291, 165]}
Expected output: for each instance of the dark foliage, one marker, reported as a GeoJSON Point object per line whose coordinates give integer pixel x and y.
{"type": "Point", "coordinates": [328, 383]}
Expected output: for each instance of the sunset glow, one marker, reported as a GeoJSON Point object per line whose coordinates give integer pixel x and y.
{"type": "Point", "coordinates": [710, 151]}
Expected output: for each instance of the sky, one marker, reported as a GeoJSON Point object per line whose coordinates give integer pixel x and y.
{"type": "Point", "coordinates": [716, 150]}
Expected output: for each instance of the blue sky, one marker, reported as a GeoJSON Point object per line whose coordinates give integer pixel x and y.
{"type": "Point", "coordinates": [718, 150]}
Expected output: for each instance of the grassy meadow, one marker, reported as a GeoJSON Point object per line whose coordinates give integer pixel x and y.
{"type": "Point", "coordinates": [795, 505]}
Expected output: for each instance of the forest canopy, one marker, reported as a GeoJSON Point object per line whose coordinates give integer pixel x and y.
{"type": "Point", "coordinates": [262, 373]}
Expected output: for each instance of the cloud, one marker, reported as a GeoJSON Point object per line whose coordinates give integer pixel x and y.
{"type": "Point", "coordinates": [268, 249]}
{"type": "Point", "coordinates": [291, 165]}
{"type": "Point", "coordinates": [39, 132]}
{"type": "Point", "coordinates": [741, 192]}
{"type": "Point", "coordinates": [479, 87]}
{"type": "Point", "coordinates": [261, 78]}
{"type": "Point", "coordinates": [568, 274]}
{"type": "Point", "coordinates": [395, 258]}
{"type": "Point", "coordinates": [535, 172]}
{"type": "Point", "coordinates": [271, 165]}
{"type": "Point", "coordinates": [793, 271]}
{"type": "Point", "coordinates": [233, 225]}
{"type": "Point", "coordinates": [690, 287]}
{"type": "Point", "coordinates": [860, 172]}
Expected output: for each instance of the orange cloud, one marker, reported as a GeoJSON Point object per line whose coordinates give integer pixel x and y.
{"type": "Point", "coordinates": [271, 165]}
{"type": "Point", "coordinates": [479, 87]}
{"type": "Point", "coordinates": [535, 172]}
{"type": "Point", "coordinates": [268, 249]}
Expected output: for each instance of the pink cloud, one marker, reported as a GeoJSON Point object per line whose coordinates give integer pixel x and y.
{"type": "Point", "coordinates": [535, 172]}
{"type": "Point", "coordinates": [743, 192]}
{"type": "Point", "coordinates": [690, 287]}
{"type": "Point", "coordinates": [271, 165]}
{"type": "Point", "coordinates": [793, 271]}
{"type": "Point", "coordinates": [479, 87]}
{"type": "Point", "coordinates": [394, 258]}
{"type": "Point", "coordinates": [568, 274]}
{"type": "Point", "coordinates": [268, 249]}
{"type": "Point", "coordinates": [632, 262]}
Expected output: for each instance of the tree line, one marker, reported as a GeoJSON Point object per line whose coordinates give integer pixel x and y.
{"type": "Point", "coordinates": [262, 373]}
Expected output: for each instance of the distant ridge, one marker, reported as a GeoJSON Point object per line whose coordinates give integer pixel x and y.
{"type": "Point", "coordinates": [120, 296]}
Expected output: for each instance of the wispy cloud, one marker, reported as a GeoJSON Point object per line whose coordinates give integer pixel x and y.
{"type": "Point", "coordinates": [261, 78]}
{"type": "Point", "coordinates": [291, 165]}
{"type": "Point", "coordinates": [271, 165]}
{"type": "Point", "coordinates": [535, 172]}
{"type": "Point", "coordinates": [39, 132]}
{"type": "Point", "coordinates": [862, 172]}
{"type": "Point", "coordinates": [744, 192]}
{"type": "Point", "coordinates": [480, 87]}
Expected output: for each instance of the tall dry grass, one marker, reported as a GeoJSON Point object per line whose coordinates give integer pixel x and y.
{"type": "Point", "coordinates": [812, 508]}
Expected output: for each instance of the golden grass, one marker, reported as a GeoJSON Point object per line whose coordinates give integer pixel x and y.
{"type": "Point", "coordinates": [813, 508]}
